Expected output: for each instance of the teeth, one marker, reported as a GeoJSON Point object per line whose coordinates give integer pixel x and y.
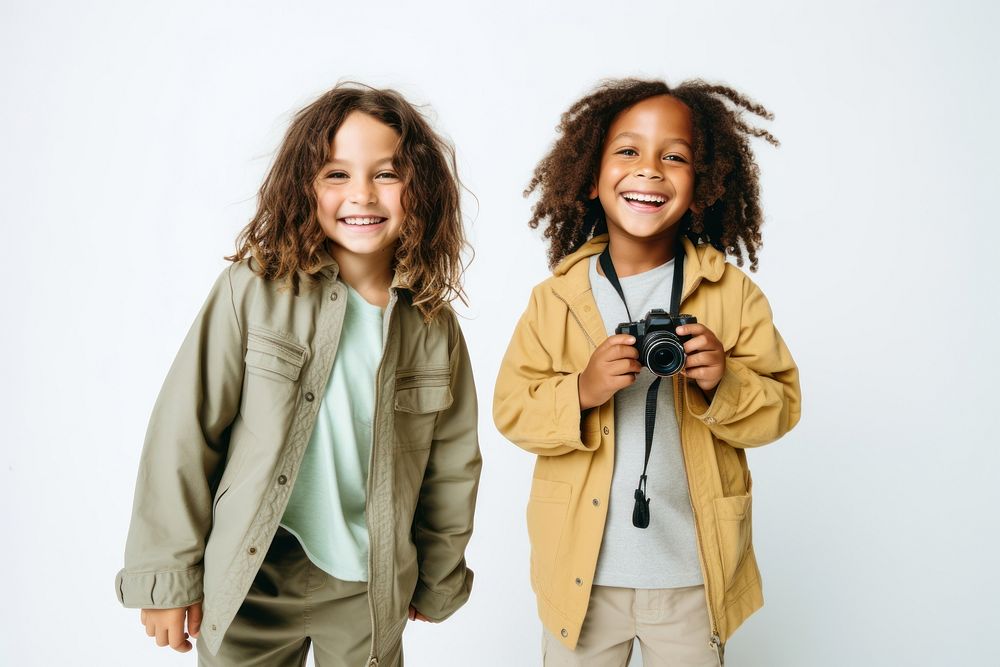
{"type": "Point", "coordinates": [363, 221]}
{"type": "Point", "coordinates": [635, 196]}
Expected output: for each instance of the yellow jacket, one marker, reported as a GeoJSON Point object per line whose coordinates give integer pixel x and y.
{"type": "Point", "coordinates": [536, 406]}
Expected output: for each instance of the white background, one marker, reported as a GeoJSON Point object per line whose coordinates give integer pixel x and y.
{"type": "Point", "coordinates": [133, 137]}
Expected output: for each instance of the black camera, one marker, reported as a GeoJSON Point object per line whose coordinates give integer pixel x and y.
{"type": "Point", "coordinates": [661, 350]}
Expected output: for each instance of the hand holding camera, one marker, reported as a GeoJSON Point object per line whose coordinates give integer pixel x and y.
{"type": "Point", "coordinates": [665, 344]}
{"type": "Point", "coordinates": [612, 366]}
{"type": "Point", "coordinates": [706, 358]}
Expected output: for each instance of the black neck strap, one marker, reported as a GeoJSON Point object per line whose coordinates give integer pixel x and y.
{"type": "Point", "coordinates": [640, 512]}
{"type": "Point", "coordinates": [675, 289]}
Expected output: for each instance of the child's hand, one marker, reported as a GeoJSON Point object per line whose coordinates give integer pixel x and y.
{"type": "Point", "coordinates": [417, 616]}
{"type": "Point", "coordinates": [612, 366]}
{"type": "Point", "coordinates": [167, 625]}
{"type": "Point", "coordinates": [706, 359]}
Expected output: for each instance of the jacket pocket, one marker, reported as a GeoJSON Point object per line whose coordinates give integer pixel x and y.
{"type": "Point", "coordinates": [547, 508]}
{"type": "Point", "coordinates": [272, 355]}
{"type": "Point", "coordinates": [421, 393]}
{"type": "Point", "coordinates": [733, 518]}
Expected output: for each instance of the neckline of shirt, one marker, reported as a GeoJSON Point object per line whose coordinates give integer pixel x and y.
{"type": "Point", "coordinates": [364, 308]}
{"type": "Point", "coordinates": [662, 268]}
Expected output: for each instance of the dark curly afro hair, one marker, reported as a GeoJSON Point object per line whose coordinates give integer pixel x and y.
{"type": "Point", "coordinates": [726, 209]}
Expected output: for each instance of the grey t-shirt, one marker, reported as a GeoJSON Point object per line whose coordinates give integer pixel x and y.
{"type": "Point", "coordinates": [665, 554]}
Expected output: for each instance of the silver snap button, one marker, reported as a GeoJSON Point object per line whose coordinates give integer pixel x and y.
{"type": "Point", "coordinates": [253, 550]}
{"type": "Point", "coordinates": [309, 396]}
{"type": "Point", "coordinates": [579, 581]}
{"type": "Point", "coordinates": [564, 633]}
{"type": "Point", "coordinates": [282, 479]}
{"type": "Point", "coordinates": [333, 296]}
{"type": "Point", "coordinates": [596, 502]}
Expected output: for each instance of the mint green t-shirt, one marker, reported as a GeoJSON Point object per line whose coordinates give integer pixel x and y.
{"type": "Point", "coordinates": [326, 510]}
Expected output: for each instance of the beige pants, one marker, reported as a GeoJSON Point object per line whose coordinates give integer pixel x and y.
{"type": "Point", "coordinates": [291, 605]}
{"type": "Point", "coordinates": [671, 624]}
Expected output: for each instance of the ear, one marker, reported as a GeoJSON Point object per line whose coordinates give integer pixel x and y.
{"type": "Point", "coordinates": [593, 191]}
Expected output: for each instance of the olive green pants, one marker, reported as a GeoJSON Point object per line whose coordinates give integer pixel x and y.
{"type": "Point", "coordinates": [292, 605]}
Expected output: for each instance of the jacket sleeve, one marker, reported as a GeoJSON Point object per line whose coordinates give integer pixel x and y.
{"type": "Point", "coordinates": [536, 406]}
{"type": "Point", "coordinates": [443, 521]}
{"type": "Point", "coordinates": [181, 459]}
{"type": "Point", "coordinates": [758, 399]}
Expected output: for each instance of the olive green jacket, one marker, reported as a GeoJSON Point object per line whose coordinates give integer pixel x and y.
{"type": "Point", "coordinates": [536, 405]}
{"type": "Point", "coordinates": [231, 424]}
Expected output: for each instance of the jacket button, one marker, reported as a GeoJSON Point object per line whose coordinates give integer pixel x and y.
{"type": "Point", "coordinates": [579, 581]}
{"type": "Point", "coordinates": [606, 430]}
{"type": "Point", "coordinates": [333, 296]}
{"type": "Point", "coordinates": [596, 502]}
{"type": "Point", "coordinates": [282, 479]}
{"type": "Point", "coordinates": [564, 633]}
{"type": "Point", "coordinates": [309, 396]}
{"type": "Point", "coordinates": [252, 550]}
{"type": "Point", "coordinates": [214, 628]}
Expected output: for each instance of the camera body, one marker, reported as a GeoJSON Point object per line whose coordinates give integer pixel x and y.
{"type": "Point", "coordinates": [661, 350]}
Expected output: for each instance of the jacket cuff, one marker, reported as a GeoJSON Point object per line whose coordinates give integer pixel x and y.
{"type": "Point", "coordinates": [438, 606]}
{"type": "Point", "coordinates": [724, 402]}
{"type": "Point", "coordinates": [159, 590]}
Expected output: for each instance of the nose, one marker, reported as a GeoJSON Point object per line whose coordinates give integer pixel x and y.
{"type": "Point", "coordinates": [649, 167]}
{"type": "Point", "coordinates": [362, 193]}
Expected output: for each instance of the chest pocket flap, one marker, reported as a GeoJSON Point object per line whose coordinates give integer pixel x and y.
{"type": "Point", "coordinates": [272, 353]}
{"type": "Point", "coordinates": [423, 390]}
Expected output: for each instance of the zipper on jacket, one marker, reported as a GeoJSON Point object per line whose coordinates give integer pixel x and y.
{"type": "Point", "coordinates": [716, 640]}
{"type": "Point", "coordinates": [720, 649]}
{"type": "Point", "coordinates": [389, 311]}
{"type": "Point", "coordinates": [575, 317]}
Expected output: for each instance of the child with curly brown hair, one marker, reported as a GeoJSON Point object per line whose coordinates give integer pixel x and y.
{"type": "Point", "coordinates": [310, 470]}
{"type": "Point", "coordinates": [639, 514]}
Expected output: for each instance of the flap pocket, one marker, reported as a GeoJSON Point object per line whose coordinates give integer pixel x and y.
{"type": "Point", "coordinates": [732, 508]}
{"type": "Point", "coordinates": [733, 518]}
{"type": "Point", "coordinates": [273, 352]}
{"type": "Point", "coordinates": [423, 400]}
{"type": "Point", "coordinates": [423, 390]}
{"type": "Point", "coordinates": [546, 518]}
{"type": "Point", "coordinates": [548, 490]}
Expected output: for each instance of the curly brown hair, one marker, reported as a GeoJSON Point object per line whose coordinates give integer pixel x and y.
{"type": "Point", "coordinates": [726, 209]}
{"type": "Point", "coordinates": [284, 236]}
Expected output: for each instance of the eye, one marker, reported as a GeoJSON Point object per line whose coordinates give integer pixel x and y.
{"type": "Point", "coordinates": [337, 175]}
{"type": "Point", "coordinates": [675, 157]}
{"type": "Point", "coordinates": [386, 176]}
{"type": "Point", "coordinates": [627, 152]}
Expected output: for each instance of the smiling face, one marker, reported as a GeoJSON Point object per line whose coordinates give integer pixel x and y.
{"type": "Point", "coordinates": [646, 178]}
{"type": "Point", "coordinates": [358, 191]}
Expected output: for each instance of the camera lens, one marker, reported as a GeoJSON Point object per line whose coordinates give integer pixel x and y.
{"type": "Point", "coordinates": [662, 353]}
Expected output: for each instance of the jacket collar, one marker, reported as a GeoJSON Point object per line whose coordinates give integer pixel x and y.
{"type": "Point", "coordinates": [328, 268]}
{"type": "Point", "coordinates": [571, 279]}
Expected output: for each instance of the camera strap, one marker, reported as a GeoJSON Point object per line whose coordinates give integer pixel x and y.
{"type": "Point", "coordinates": [640, 512]}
